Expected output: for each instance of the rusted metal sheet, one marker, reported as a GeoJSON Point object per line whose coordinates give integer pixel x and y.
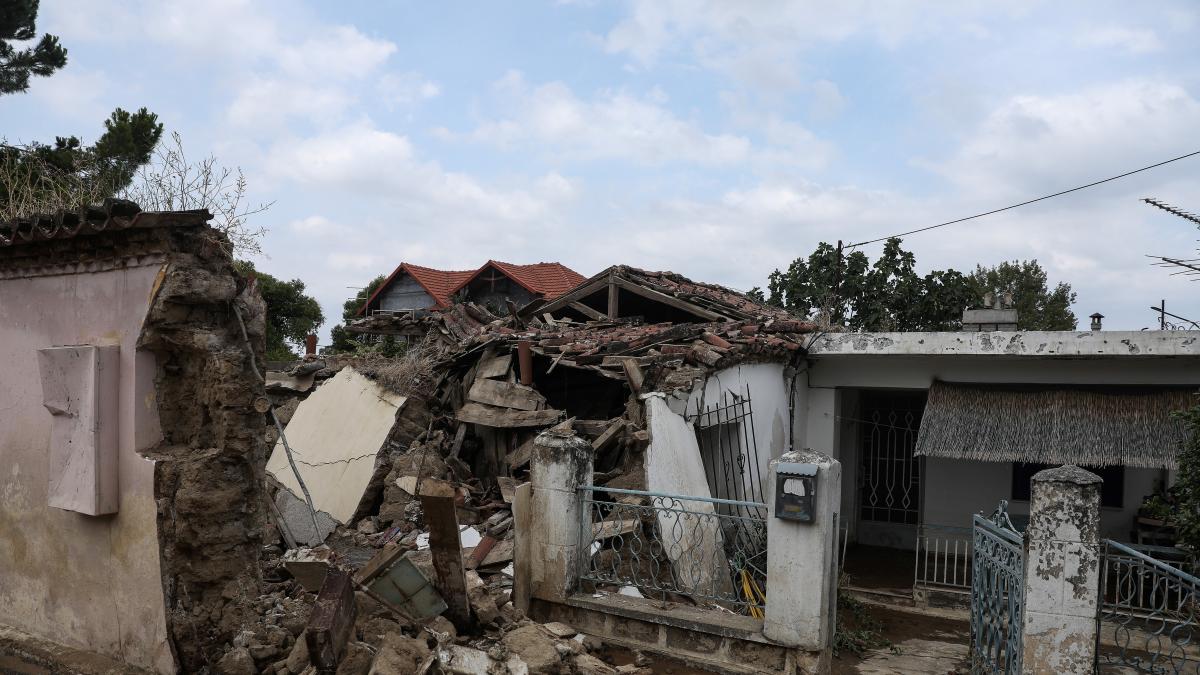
{"type": "Point", "coordinates": [331, 620]}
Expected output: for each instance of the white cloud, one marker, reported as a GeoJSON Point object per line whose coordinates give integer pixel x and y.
{"type": "Point", "coordinates": [269, 103]}
{"type": "Point", "coordinates": [1031, 145]}
{"type": "Point", "coordinates": [354, 261]}
{"type": "Point", "coordinates": [404, 90]}
{"type": "Point", "coordinates": [612, 125]}
{"type": "Point", "coordinates": [1132, 40]}
{"type": "Point", "coordinates": [362, 159]}
{"type": "Point", "coordinates": [618, 125]}
{"type": "Point", "coordinates": [314, 225]}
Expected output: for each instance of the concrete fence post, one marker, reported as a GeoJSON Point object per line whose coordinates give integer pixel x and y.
{"type": "Point", "coordinates": [802, 565]}
{"type": "Point", "coordinates": [560, 464]}
{"type": "Point", "coordinates": [1062, 572]}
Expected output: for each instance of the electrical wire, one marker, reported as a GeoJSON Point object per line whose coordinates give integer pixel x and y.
{"type": "Point", "coordinates": [1026, 203]}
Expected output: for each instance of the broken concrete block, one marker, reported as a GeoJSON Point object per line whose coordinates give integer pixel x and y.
{"type": "Point", "coordinates": [299, 522]}
{"type": "Point", "coordinates": [308, 566]}
{"type": "Point", "coordinates": [457, 660]}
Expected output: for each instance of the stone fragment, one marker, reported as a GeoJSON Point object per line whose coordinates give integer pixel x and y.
{"type": "Point", "coordinates": [237, 661]}
{"type": "Point", "coordinates": [481, 601]}
{"type": "Point", "coordinates": [297, 660]}
{"type": "Point", "coordinates": [590, 665]}
{"type": "Point", "coordinates": [560, 630]}
{"type": "Point", "coordinates": [399, 655]}
{"type": "Point", "coordinates": [533, 647]}
{"type": "Point", "coordinates": [357, 660]}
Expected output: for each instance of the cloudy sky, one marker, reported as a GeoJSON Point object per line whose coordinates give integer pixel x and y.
{"type": "Point", "coordinates": [717, 139]}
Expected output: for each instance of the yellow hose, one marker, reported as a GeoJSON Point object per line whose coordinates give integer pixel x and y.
{"type": "Point", "coordinates": [753, 594]}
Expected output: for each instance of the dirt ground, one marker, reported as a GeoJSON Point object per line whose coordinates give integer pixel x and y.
{"type": "Point", "coordinates": [919, 644]}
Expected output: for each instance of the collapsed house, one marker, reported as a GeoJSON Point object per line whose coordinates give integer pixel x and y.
{"type": "Point", "coordinates": [613, 462]}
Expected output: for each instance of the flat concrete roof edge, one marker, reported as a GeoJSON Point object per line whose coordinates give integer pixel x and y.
{"type": "Point", "coordinates": [1028, 344]}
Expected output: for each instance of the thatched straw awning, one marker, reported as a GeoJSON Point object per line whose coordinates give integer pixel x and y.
{"type": "Point", "coordinates": [1094, 426]}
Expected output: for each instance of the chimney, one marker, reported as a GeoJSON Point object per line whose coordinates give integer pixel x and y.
{"type": "Point", "coordinates": [997, 314]}
{"type": "Point", "coordinates": [310, 345]}
{"type": "Point", "coordinates": [1096, 319]}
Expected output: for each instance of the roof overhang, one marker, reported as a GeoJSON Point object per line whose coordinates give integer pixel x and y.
{"type": "Point", "coordinates": [1092, 426]}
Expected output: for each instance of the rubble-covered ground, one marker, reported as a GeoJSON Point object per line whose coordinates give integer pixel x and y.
{"type": "Point", "coordinates": [426, 446]}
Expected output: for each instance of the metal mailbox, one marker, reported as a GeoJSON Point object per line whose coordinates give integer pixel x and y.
{"type": "Point", "coordinates": [796, 491]}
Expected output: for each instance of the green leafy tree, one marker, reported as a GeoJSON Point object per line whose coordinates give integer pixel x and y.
{"type": "Point", "coordinates": [1186, 491]}
{"type": "Point", "coordinates": [291, 315]}
{"type": "Point", "coordinates": [1038, 307]}
{"type": "Point", "coordinates": [43, 177]}
{"type": "Point", "coordinates": [18, 24]}
{"type": "Point", "coordinates": [887, 295]}
{"type": "Point", "coordinates": [343, 340]}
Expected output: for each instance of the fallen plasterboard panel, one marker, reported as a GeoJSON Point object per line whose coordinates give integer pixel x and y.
{"type": "Point", "coordinates": [674, 467]}
{"type": "Point", "coordinates": [335, 435]}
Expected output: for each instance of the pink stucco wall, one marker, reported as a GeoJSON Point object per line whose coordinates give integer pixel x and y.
{"type": "Point", "coordinates": [91, 582]}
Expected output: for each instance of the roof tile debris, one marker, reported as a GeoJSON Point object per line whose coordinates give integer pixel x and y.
{"type": "Point", "coordinates": [113, 214]}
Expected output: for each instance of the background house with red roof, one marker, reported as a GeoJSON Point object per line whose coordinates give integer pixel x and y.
{"type": "Point", "coordinates": [413, 287]}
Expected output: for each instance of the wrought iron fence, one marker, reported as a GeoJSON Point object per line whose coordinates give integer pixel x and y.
{"type": "Point", "coordinates": [1149, 605]}
{"type": "Point", "coordinates": [943, 557]}
{"type": "Point", "coordinates": [997, 594]}
{"type": "Point", "coordinates": [710, 550]}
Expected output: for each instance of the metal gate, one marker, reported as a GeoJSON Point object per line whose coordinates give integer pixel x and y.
{"type": "Point", "coordinates": [997, 594]}
{"type": "Point", "coordinates": [1148, 610]}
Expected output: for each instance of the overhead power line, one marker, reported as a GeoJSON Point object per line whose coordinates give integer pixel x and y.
{"type": "Point", "coordinates": [1026, 203]}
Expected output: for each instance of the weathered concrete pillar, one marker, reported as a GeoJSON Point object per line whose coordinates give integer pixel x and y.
{"type": "Point", "coordinates": [560, 464]}
{"type": "Point", "coordinates": [1062, 568]}
{"type": "Point", "coordinates": [801, 559]}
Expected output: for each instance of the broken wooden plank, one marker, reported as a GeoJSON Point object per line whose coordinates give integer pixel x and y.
{"type": "Point", "coordinates": [497, 366]}
{"type": "Point", "coordinates": [505, 395]}
{"type": "Point", "coordinates": [500, 554]}
{"type": "Point", "coordinates": [331, 620]}
{"type": "Point", "coordinates": [437, 503]}
{"type": "Point", "coordinates": [523, 546]}
{"type": "Point", "coordinates": [610, 434]}
{"type": "Point", "coordinates": [481, 550]}
{"type": "Point", "coordinates": [508, 486]}
{"type": "Point", "coordinates": [633, 373]}
{"type": "Point", "coordinates": [460, 434]}
{"type": "Point", "coordinates": [379, 562]}
{"type": "Point", "coordinates": [590, 313]}
{"type": "Point", "coordinates": [491, 416]}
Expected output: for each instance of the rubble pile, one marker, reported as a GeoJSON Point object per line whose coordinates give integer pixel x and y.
{"type": "Point", "coordinates": [404, 561]}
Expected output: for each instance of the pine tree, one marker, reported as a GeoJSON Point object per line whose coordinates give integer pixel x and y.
{"type": "Point", "coordinates": [17, 24]}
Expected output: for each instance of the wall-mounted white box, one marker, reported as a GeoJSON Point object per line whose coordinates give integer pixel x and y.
{"type": "Point", "coordinates": [80, 388]}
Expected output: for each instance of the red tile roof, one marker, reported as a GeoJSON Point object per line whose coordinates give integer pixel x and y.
{"type": "Point", "coordinates": [548, 280]}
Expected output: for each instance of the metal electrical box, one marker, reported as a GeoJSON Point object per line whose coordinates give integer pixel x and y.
{"type": "Point", "coordinates": [796, 491]}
